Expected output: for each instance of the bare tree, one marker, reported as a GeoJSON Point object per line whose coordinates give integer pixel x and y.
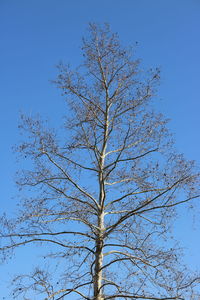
{"type": "Point", "coordinates": [105, 192]}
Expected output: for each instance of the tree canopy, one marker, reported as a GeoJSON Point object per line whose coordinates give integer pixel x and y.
{"type": "Point", "coordinates": [104, 195]}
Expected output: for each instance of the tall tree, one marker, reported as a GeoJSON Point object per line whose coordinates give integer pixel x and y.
{"type": "Point", "coordinates": [104, 195]}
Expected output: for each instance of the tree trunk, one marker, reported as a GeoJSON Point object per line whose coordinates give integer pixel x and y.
{"type": "Point", "coordinates": [99, 260]}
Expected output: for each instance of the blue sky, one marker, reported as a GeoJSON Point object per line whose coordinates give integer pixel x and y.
{"type": "Point", "coordinates": [37, 34]}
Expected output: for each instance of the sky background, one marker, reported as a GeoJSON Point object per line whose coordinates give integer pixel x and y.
{"type": "Point", "coordinates": [37, 34]}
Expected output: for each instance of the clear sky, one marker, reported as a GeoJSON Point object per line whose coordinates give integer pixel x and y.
{"type": "Point", "coordinates": [35, 35]}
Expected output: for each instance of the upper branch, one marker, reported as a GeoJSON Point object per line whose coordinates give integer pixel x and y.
{"type": "Point", "coordinates": [71, 180]}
